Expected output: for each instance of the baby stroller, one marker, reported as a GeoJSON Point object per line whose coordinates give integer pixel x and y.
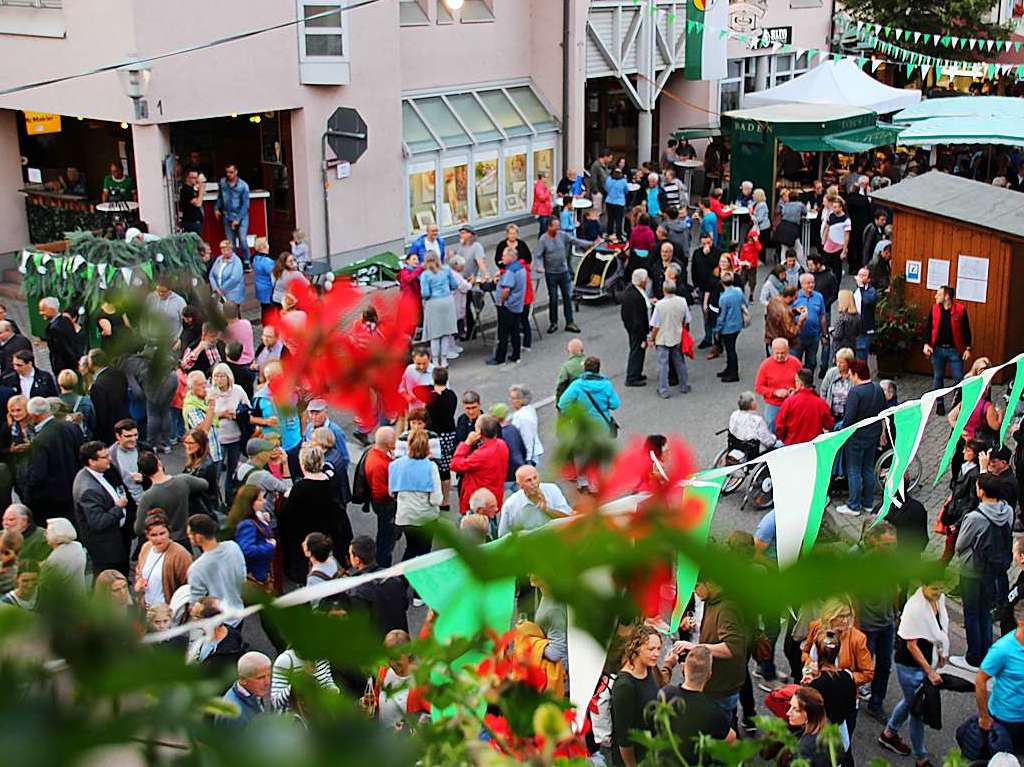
{"type": "Point", "coordinates": [595, 272]}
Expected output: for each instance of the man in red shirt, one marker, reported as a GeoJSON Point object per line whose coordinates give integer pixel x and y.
{"type": "Point", "coordinates": [482, 460]}
{"type": "Point", "coordinates": [804, 415]}
{"type": "Point", "coordinates": [378, 459]}
{"type": "Point", "coordinates": [774, 379]}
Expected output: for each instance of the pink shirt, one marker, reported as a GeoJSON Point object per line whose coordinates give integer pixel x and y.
{"type": "Point", "coordinates": [241, 331]}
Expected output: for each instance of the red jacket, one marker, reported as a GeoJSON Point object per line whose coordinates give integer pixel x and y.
{"type": "Point", "coordinates": [541, 199]}
{"type": "Point", "coordinates": [957, 312]}
{"type": "Point", "coordinates": [376, 468]}
{"type": "Point", "coordinates": [720, 210]}
{"type": "Point", "coordinates": [483, 465]}
{"type": "Point", "coordinates": [803, 416]}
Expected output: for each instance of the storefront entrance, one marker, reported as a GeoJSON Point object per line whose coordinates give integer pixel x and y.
{"type": "Point", "coordinates": [612, 120]}
{"type": "Point", "coordinates": [260, 146]}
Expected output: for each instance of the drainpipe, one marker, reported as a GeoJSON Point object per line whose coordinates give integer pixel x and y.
{"type": "Point", "coordinates": [323, 178]}
{"type": "Point", "coordinates": [566, 21]}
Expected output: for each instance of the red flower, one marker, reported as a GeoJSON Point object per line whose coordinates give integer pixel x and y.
{"type": "Point", "coordinates": [358, 372]}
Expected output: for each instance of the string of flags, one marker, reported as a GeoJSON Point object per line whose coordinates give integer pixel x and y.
{"type": "Point", "coordinates": [909, 61]}
{"type": "Point", "coordinates": [64, 266]}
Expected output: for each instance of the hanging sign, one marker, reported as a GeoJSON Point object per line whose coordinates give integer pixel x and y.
{"type": "Point", "coordinates": [37, 123]}
{"type": "Point", "coordinates": [768, 37]}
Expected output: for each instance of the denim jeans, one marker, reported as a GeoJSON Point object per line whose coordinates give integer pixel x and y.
{"type": "Point", "coordinates": [387, 533]}
{"type": "Point", "coordinates": [940, 356]}
{"type": "Point", "coordinates": [728, 704]}
{"type": "Point", "coordinates": [770, 412]}
{"type": "Point", "coordinates": [808, 351]}
{"type": "Point", "coordinates": [860, 473]}
{"type": "Point", "coordinates": [542, 224]}
{"type": "Point", "coordinates": [979, 597]}
{"type": "Point", "coordinates": [880, 645]}
{"type": "Point", "coordinates": [559, 283]}
{"type": "Point", "coordinates": [238, 238]}
{"type": "Point", "coordinates": [732, 363]}
{"type": "Point", "coordinates": [863, 350]}
{"type": "Point", "coordinates": [177, 424]}
{"type": "Point", "coordinates": [670, 355]}
{"type": "Point", "coordinates": [910, 678]}
{"type": "Point", "coordinates": [508, 331]}
{"type": "Point", "coordinates": [232, 452]}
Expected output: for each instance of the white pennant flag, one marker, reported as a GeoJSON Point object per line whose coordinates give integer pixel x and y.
{"type": "Point", "coordinates": [76, 263]}
{"type": "Point", "coordinates": [101, 272]}
{"type": "Point", "coordinates": [586, 662]}
{"type": "Point", "coordinates": [23, 266]}
{"type": "Point", "coordinates": [925, 69]}
{"type": "Point", "coordinates": [875, 64]}
{"type": "Point", "coordinates": [917, 36]}
{"type": "Point", "coordinates": [990, 43]}
{"type": "Point", "coordinates": [793, 492]}
{"type": "Point", "coordinates": [126, 273]}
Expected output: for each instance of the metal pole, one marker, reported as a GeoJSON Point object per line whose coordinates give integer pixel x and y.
{"type": "Point", "coordinates": [327, 207]}
{"type": "Point", "coordinates": [566, 21]}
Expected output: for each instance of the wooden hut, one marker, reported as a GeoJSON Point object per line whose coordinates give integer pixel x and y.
{"type": "Point", "coordinates": [953, 231]}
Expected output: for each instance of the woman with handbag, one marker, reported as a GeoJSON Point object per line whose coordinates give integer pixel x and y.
{"type": "Point", "coordinates": [837, 617]}
{"type": "Point", "coordinates": [255, 536]}
{"type": "Point", "coordinates": [837, 689]}
{"type": "Point", "coordinates": [231, 406]}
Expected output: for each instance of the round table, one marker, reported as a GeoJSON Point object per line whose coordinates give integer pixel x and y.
{"type": "Point", "coordinates": [582, 203]}
{"type": "Point", "coordinates": [117, 207]}
{"type": "Point", "coordinates": [688, 166]}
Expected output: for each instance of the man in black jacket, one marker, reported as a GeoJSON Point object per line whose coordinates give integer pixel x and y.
{"type": "Point", "coordinates": [27, 379]}
{"type": "Point", "coordinates": [865, 400]}
{"type": "Point", "coordinates": [702, 267]}
{"type": "Point", "coordinates": [858, 208]}
{"type": "Point", "coordinates": [52, 464]}
{"type": "Point", "coordinates": [384, 600]}
{"type": "Point", "coordinates": [61, 338]}
{"type": "Point", "coordinates": [101, 510]}
{"type": "Point", "coordinates": [873, 234]}
{"type": "Point", "coordinates": [10, 343]}
{"type": "Point", "coordinates": [109, 395]}
{"type": "Point", "coordinates": [637, 321]}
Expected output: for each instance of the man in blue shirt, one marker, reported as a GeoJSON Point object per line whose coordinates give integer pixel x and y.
{"type": "Point", "coordinates": [810, 303]}
{"type": "Point", "coordinates": [708, 221]}
{"type": "Point", "coordinates": [730, 322]}
{"type": "Point", "coordinates": [319, 418]}
{"type": "Point", "coordinates": [511, 296]}
{"type": "Point", "coordinates": [232, 209]}
{"type": "Point", "coordinates": [1004, 665]}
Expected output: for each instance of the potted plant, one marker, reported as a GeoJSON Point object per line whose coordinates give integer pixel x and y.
{"type": "Point", "coordinates": [897, 329]}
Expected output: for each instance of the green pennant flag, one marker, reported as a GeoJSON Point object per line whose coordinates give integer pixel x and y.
{"type": "Point", "coordinates": [686, 571]}
{"type": "Point", "coordinates": [58, 265]}
{"type": "Point", "coordinates": [944, 40]}
{"type": "Point", "coordinates": [888, 31]}
{"type": "Point", "coordinates": [970, 391]}
{"type": "Point", "coordinates": [37, 260]}
{"type": "Point", "coordinates": [910, 69]}
{"type": "Point", "coordinates": [1017, 45]}
{"type": "Point", "coordinates": [837, 57]}
{"type": "Point", "coordinates": [938, 72]}
{"type": "Point", "coordinates": [690, 25]}
{"type": "Point", "coordinates": [1020, 71]}
{"type": "Point", "coordinates": [812, 53]}
{"type": "Point", "coordinates": [787, 48]}
{"type": "Point", "coordinates": [147, 267]}
{"type": "Point", "coordinates": [861, 61]}
{"type": "Point", "coordinates": [1018, 382]}
{"type": "Point", "coordinates": [671, 18]}
{"type": "Point", "coordinates": [463, 604]}
{"type": "Point", "coordinates": [907, 423]}
{"type": "Point", "coordinates": [825, 450]}
{"type": "Point", "coordinates": [991, 70]}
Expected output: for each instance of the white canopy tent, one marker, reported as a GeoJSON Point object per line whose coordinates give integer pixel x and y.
{"type": "Point", "coordinates": [836, 82]}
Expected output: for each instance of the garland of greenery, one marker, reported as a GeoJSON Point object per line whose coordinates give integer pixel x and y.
{"type": "Point", "coordinates": [93, 265]}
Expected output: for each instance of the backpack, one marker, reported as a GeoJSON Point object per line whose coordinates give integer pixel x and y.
{"type": "Point", "coordinates": [993, 549]}
{"type": "Point", "coordinates": [360, 484]}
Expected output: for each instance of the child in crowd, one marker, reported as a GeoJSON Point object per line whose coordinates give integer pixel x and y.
{"type": "Point", "coordinates": [567, 217]}
{"type": "Point", "coordinates": [591, 226]}
{"type": "Point", "coordinates": [300, 249]}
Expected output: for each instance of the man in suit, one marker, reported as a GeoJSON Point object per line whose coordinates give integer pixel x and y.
{"type": "Point", "coordinates": [101, 510]}
{"type": "Point", "coordinates": [52, 464]}
{"type": "Point", "coordinates": [26, 379]}
{"type": "Point", "coordinates": [865, 297]}
{"type": "Point", "coordinates": [109, 394]}
{"type": "Point", "coordinates": [10, 342]}
{"type": "Point", "coordinates": [61, 338]}
{"type": "Point", "coordinates": [636, 319]}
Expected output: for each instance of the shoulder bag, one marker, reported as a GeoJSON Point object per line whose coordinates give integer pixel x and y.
{"type": "Point", "coordinates": [613, 425]}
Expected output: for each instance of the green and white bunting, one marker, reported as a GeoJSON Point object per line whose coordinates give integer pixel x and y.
{"type": "Point", "coordinates": [908, 424]}
{"type": "Point", "coordinates": [1013, 401]}
{"type": "Point", "coordinates": [708, 492]}
{"type": "Point", "coordinates": [706, 39]}
{"type": "Point", "coordinates": [970, 394]}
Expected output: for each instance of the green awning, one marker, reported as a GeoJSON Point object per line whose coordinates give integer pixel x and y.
{"type": "Point", "coordinates": [694, 133]}
{"type": "Point", "coordinates": [852, 141]}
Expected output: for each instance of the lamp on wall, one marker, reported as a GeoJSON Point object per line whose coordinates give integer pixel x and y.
{"type": "Point", "coordinates": [134, 78]}
{"type": "Point", "coordinates": [453, 5]}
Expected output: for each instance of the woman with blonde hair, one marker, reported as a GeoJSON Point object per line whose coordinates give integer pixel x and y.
{"type": "Point", "coordinates": [415, 481]}
{"type": "Point", "coordinates": [836, 617]}
{"type": "Point", "coordinates": [232, 408]}
{"type": "Point", "coordinates": [285, 272]}
{"type": "Point", "coordinates": [846, 325]}
{"type": "Point", "coordinates": [437, 289]}
{"type": "Point", "coordinates": [762, 217]}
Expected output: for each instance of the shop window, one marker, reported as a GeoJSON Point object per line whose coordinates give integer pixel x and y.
{"type": "Point", "coordinates": [729, 98]}
{"type": "Point", "coordinates": [486, 177]}
{"type": "Point", "coordinates": [422, 199]}
{"type": "Point", "coordinates": [32, 18]}
{"type": "Point", "coordinates": [474, 11]}
{"type": "Point", "coordinates": [412, 13]}
{"type": "Point", "coordinates": [515, 182]}
{"type": "Point", "coordinates": [455, 195]}
{"type": "Point", "coordinates": [544, 160]}
{"type": "Point", "coordinates": [323, 44]}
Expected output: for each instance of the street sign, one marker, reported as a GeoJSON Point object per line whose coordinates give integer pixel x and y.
{"type": "Point", "coordinates": [41, 122]}
{"type": "Point", "coordinates": [347, 134]}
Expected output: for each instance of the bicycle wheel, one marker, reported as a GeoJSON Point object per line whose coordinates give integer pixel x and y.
{"type": "Point", "coordinates": [761, 495]}
{"type": "Point", "coordinates": [733, 481]}
{"type": "Point", "coordinates": [911, 477]}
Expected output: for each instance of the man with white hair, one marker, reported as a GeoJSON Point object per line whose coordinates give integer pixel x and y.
{"type": "Point", "coordinates": [18, 517]}
{"type": "Point", "coordinates": [247, 694]}
{"type": "Point", "coordinates": [61, 338]}
{"type": "Point", "coordinates": [533, 505]}
{"type": "Point", "coordinates": [52, 464]}
{"type": "Point", "coordinates": [377, 460]}
{"type": "Point", "coordinates": [636, 313]}
{"type": "Point", "coordinates": [671, 316]}
{"type": "Point", "coordinates": [655, 196]}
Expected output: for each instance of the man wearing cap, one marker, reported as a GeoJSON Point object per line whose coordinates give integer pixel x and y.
{"type": "Point", "coordinates": [472, 252]}
{"type": "Point", "coordinates": [253, 470]}
{"type": "Point", "coordinates": [997, 463]}
{"type": "Point", "coordinates": [320, 418]}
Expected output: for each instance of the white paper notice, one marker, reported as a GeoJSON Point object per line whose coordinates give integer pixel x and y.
{"type": "Point", "coordinates": [938, 273]}
{"type": "Point", "coordinates": [972, 279]}
{"type": "Point", "coordinates": [35, 176]}
{"type": "Point", "coordinates": [914, 272]}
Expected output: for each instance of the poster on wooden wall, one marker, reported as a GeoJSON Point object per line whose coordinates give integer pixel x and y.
{"type": "Point", "coordinates": [938, 273]}
{"type": "Point", "coordinates": [972, 279]}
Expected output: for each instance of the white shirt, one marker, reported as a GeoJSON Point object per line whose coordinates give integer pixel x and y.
{"type": "Point", "coordinates": [746, 425]}
{"type": "Point", "coordinates": [433, 245]}
{"type": "Point", "coordinates": [525, 419]}
{"type": "Point", "coordinates": [109, 488]}
{"type": "Point", "coordinates": [519, 513]}
{"type": "Point", "coordinates": [152, 569]}
{"type": "Point", "coordinates": [26, 384]}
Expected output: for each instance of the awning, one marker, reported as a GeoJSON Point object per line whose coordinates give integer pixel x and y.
{"type": "Point", "coordinates": [689, 134]}
{"type": "Point", "coordinates": [962, 107]}
{"type": "Point", "coordinates": [1007, 131]}
{"type": "Point", "coordinates": [851, 142]}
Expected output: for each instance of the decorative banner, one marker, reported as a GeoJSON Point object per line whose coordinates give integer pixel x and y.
{"type": "Point", "coordinates": [126, 274]}
{"type": "Point", "coordinates": [708, 492]}
{"type": "Point", "coordinates": [705, 54]}
{"type": "Point", "coordinates": [23, 265]}
{"type": "Point", "coordinates": [1013, 401]}
{"type": "Point", "coordinates": [101, 274]}
{"type": "Point", "coordinates": [970, 393]}
{"type": "Point", "coordinates": [147, 267]}
{"type": "Point", "coordinates": [909, 421]}
{"type": "Point", "coordinates": [826, 449]}
{"type": "Point", "coordinates": [586, 662]}
{"type": "Point", "coordinates": [76, 262]}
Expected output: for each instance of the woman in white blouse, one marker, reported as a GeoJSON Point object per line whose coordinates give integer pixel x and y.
{"type": "Point", "coordinates": [228, 397]}
{"type": "Point", "coordinates": [524, 418]}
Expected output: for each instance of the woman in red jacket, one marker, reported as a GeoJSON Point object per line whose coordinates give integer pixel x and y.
{"type": "Point", "coordinates": [542, 206]}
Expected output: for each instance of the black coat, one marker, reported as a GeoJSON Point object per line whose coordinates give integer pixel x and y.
{"type": "Point", "coordinates": [51, 468]}
{"type": "Point", "coordinates": [43, 384]}
{"type": "Point", "coordinates": [521, 248]}
{"type": "Point", "coordinates": [384, 600]}
{"type": "Point", "coordinates": [15, 343]}
{"type": "Point", "coordinates": [859, 208]}
{"type": "Point", "coordinates": [635, 315]}
{"type": "Point", "coordinates": [98, 519]}
{"type": "Point", "coordinates": [311, 507]}
{"type": "Point", "coordinates": [702, 267]}
{"type": "Point", "coordinates": [62, 341]}
{"type": "Point", "coordinates": [109, 394]}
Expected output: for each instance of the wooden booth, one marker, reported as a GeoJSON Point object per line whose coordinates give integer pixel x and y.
{"type": "Point", "coordinates": [948, 230]}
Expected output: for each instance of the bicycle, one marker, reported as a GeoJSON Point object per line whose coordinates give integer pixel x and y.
{"type": "Point", "coordinates": [912, 476]}
{"type": "Point", "coordinates": [756, 476]}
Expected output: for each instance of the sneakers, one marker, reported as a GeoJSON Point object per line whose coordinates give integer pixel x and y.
{"type": "Point", "coordinates": [493, 361]}
{"type": "Point", "coordinates": [893, 742]}
{"type": "Point", "coordinates": [864, 692]}
{"type": "Point", "coordinates": [572, 327]}
{"type": "Point", "coordinates": [960, 661]}
{"type": "Point", "coordinates": [685, 389]}
{"type": "Point", "coordinates": [844, 509]}
{"type": "Point", "coordinates": [552, 328]}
